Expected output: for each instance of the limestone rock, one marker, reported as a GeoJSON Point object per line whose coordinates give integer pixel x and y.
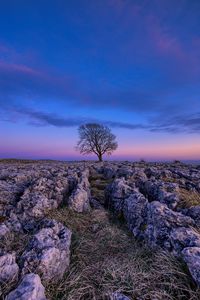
{"type": "Point", "coordinates": [9, 268]}
{"type": "Point", "coordinates": [135, 212]}
{"type": "Point", "coordinates": [118, 296]}
{"type": "Point", "coordinates": [194, 213]}
{"type": "Point", "coordinates": [160, 221]}
{"type": "Point", "coordinates": [48, 252]}
{"type": "Point", "coordinates": [184, 237]}
{"type": "Point", "coordinates": [30, 288]}
{"type": "Point", "coordinates": [191, 256]}
{"type": "Point", "coordinates": [79, 200]}
{"type": "Point", "coordinates": [115, 194]}
{"type": "Point", "coordinates": [4, 232]}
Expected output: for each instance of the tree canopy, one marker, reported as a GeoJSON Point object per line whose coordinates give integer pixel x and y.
{"type": "Point", "coordinates": [96, 138]}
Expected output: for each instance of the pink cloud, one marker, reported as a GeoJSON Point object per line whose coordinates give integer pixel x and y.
{"type": "Point", "coordinates": [21, 65]}
{"type": "Point", "coordinates": [24, 78]}
{"type": "Point", "coordinates": [19, 68]}
{"type": "Point", "coordinates": [163, 40]}
{"type": "Point", "coordinates": [11, 55]}
{"type": "Point", "coordinates": [167, 44]}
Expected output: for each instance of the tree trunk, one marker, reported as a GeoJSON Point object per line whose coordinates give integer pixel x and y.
{"type": "Point", "coordinates": [100, 157]}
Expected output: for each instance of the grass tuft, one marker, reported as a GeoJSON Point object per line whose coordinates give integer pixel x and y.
{"type": "Point", "coordinates": [188, 198]}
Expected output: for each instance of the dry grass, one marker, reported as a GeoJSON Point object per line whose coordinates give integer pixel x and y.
{"type": "Point", "coordinates": [105, 258]}
{"type": "Point", "coordinates": [98, 194]}
{"type": "Point", "coordinates": [16, 243]}
{"type": "Point", "coordinates": [98, 185]}
{"type": "Point", "coordinates": [2, 219]}
{"type": "Point", "coordinates": [99, 182]}
{"type": "Point", "coordinates": [170, 179]}
{"type": "Point", "coordinates": [188, 198]}
{"type": "Point", "coordinates": [7, 287]}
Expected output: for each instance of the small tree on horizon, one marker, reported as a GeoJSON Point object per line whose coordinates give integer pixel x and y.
{"type": "Point", "coordinates": [96, 138]}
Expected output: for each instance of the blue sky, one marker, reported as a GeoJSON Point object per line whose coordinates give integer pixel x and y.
{"type": "Point", "coordinates": [133, 65]}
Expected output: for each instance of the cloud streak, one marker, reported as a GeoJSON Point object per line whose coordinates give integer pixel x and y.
{"type": "Point", "coordinates": [40, 118]}
{"type": "Point", "coordinates": [178, 124]}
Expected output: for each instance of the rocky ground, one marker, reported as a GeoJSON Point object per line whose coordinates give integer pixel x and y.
{"type": "Point", "coordinates": [111, 230]}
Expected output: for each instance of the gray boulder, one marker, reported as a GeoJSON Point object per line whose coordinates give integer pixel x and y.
{"type": "Point", "coordinates": [48, 252]}
{"type": "Point", "coordinates": [194, 213]}
{"type": "Point", "coordinates": [5, 232]}
{"type": "Point", "coordinates": [30, 288]}
{"type": "Point", "coordinates": [14, 223]}
{"type": "Point", "coordinates": [36, 205]}
{"type": "Point", "coordinates": [44, 195]}
{"type": "Point", "coordinates": [9, 268]}
{"type": "Point", "coordinates": [125, 172]}
{"type": "Point", "coordinates": [160, 221]}
{"type": "Point", "coordinates": [135, 213]}
{"type": "Point", "coordinates": [170, 199]}
{"type": "Point", "coordinates": [182, 237]}
{"type": "Point", "coordinates": [157, 190]}
{"type": "Point", "coordinates": [79, 200]}
{"type": "Point", "coordinates": [171, 195]}
{"type": "Point", "coordinates": [152, 172]}
{"type": "Point", "coordinates": [84, 182]}
{"type": "Point", "coordinates": [118, 296]}
{"type": "Point", "coordinates": [139, 173]}
{"type": "Point", "coordinates": [9, 193]}
{"type": "Point", "coordinates": [115, 194]}
{"type": "Point", "coordinates": [153, 190]}
{"type": "Point", "coordinates": [166, 174]}
{"type": "Point", "coordinates": [191, 256]}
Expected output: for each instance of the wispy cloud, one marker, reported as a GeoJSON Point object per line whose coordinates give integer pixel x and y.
{"type": "Point", "coordinates": [178, 124]}
{"type": "Point", "coordinates": [182, 123]}
{"type": "Point", "coordinates": [40, 118]}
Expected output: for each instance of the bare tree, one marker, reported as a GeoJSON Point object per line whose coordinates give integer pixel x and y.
{"type": "Point", "coordinates": [96, 138]}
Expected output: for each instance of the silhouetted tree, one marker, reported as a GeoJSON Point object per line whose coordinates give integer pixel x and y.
{"type": "Point", "coordinates": [96, 138]}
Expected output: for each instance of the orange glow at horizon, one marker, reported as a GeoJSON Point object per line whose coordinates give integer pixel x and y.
{"type": "Point", "coordinates": [132, 145]}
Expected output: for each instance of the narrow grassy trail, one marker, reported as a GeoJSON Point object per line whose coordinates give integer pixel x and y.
{"type": "Point", "coordinates": [106, 258]}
